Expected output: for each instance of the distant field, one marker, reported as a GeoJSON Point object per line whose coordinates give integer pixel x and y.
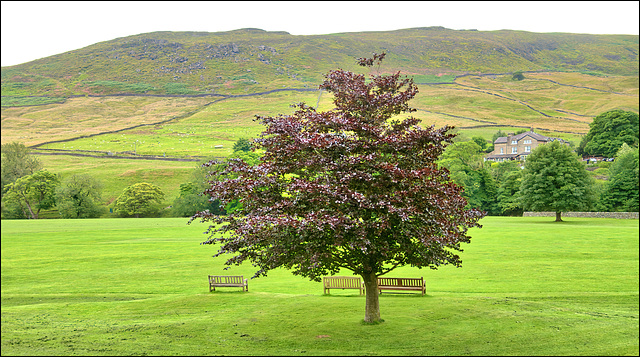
{"type": "Point", "coordinates": [528, 286]}
{"type": "Point", "coordinates": [559, 103]}
{"type": "Point", "coordinates": [86, 116]}
{"type": "Point", "coordinates": [117, 174]}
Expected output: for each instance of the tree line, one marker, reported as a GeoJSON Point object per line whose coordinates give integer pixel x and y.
{"type": "Point", "coordinates": [28, 190]}
{"type": "Point", "coordinates": [554, 177]}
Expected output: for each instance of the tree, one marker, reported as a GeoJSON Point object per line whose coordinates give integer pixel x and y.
{"type": "Point", "coordinates": [481, 191]}
{"type": "Point", "coordinates": [17, 162]}
{"type": "Point", "coordinates": [32, 193]}
{"type": "Point", "coordinates": [621, 191]}
{"type": "Point", "coordinates": [78, 196]}
{"type": "Point", "coordinates": [555, 179]}
{"type": "Point", "coordinates": [482, 143]}
{"type": "Point", "coordinates": [344, 189]}
{"type": "Point", "coordinates": [517, 76]}
{"type": "Point", "coordinates": [464, 161]}
{"type": "Point", "coordinates": [508, 176]}
{"type": "Point", "coordinates": [138, 199]}
{"type": "Point", "coordinates": [191, 200]}
{"type": "Point", "coordinates": [242, 144]}
{"type": "Point", "coordinates": [608, 131]}
{"type": "Point", "coordinates": [508, 194]}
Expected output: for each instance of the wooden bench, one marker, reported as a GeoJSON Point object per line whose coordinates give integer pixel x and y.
{"type": "Point", "coordinates": [342, 282]}
{"type": "Point", "coordinates": [403, 284]}
{"type": "Point", "coordinates": [227, 281]}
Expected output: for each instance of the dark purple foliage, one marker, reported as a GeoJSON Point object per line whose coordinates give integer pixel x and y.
{"type": "Point", "coordinates": [346, 188]}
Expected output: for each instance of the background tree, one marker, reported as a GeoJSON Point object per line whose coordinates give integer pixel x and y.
{"type": "Point", "coordinates": [509, 200]}
{"type": "Point", "coordinates": [242, 144]}
{"type": "Point", "coordinates": [78, 196]}
{"type": "Point", "coordinates": [344, 189]}
{"type": "Point", "coordinates": [17, 162]}
{"type": "Point", "coordinates": [555, 179]}
{"type": "Point", "coordinates": [464, 161]}
{"type": "Point", "coordinates": [621, 191]}
{"type": "Point", "coordinates": [508, 178]}
{"type": "Point", "coordinates": [482, 143]}
{"type": "Point", "coordinates": [139, 199]}
{"type": "Point", "coordinates": [481, 191]}
{"type": "Point", "coordinates": [608, 131]}
{"type": "Point", "coordinates": [32, 193]}
{"type": "Point", "coordinates": [191, 200]}
{"type": "Point", "coordinates": [517, 76]}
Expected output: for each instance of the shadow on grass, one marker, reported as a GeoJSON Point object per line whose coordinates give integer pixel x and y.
{"type": "Point", "coordinates": [383, 295]}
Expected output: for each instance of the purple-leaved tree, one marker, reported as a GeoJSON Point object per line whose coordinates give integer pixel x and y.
{"type": "Point", "coordinates": [349, 188]}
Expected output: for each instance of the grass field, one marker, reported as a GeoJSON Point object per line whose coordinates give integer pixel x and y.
{"type": "Point", "coordinates": [528, 286]}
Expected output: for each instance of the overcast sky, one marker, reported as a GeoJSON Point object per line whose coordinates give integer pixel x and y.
{"type": "Point", "coordinates": [33, 29]}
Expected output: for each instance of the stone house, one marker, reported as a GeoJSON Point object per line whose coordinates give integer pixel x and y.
{"type": "Point", "coordinates": [517, 147]}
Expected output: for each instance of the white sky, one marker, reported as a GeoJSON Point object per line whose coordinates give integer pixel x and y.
{"type": "Point", "coordinates": [34, 29]}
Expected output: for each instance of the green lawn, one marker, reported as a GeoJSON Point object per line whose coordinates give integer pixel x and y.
{"type": "Point", "coordinates": [528, 286]}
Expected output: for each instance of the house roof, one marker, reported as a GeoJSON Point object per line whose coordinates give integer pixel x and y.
{"type": "Point", "coordinates": [538, 137]}
{"type": "Point", "coordinates": [502, 156]}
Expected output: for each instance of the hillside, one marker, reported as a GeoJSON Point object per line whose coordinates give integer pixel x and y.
{"type": "Point", "coordinates": [252, 60]}
{"type": "Point", "coordinates": [189, 96]}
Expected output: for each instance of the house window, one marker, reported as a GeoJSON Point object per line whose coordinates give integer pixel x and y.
{"type": "Point", "coordinates": [527, 141]}
{"type": "Point", "coordinates": [514, 142]}
{"type": "Point", "coordinates": [514, 150]}
{"type": "Point", "coordinates": [502, 150]}
{"type": "Point", "coordinates": [527, 148]}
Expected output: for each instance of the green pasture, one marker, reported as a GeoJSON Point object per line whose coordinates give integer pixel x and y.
{"type": "Point", "coordinates": [528, 286]}
{"type": "Point", "coordinates": [117, 174]}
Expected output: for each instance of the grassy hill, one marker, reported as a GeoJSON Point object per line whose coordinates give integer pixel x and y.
{"type": "Point", "coordinates": [252, 60]}
{"type": "Point", "coordinates": [191, 95]}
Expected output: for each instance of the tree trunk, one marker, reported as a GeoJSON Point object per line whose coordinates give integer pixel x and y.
{"type": "Point", "coordinates": [372, 308]}
{"type": "Point", "coordinates": [33, 215]}
{"type": "Point", "coordinates": [558, 216]}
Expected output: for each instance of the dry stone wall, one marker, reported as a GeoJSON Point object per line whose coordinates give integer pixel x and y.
{"type": "Point", "coordinates": [619, 215]}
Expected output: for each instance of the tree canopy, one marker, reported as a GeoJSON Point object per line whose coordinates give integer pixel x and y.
{"type": "Point", "coordinates": [609, 131]}
{"type": "Point", "coordinates": [555, 179]}
{"type": "Point", "coordinates": [349, 188]}
{"type": "Point", "coordinates": [464, 162]}
{"type": "Point", "coordinates": [78, 196]}
{"type": "Point", "coordinates": [139, 199]}
{"type": "Point", "coordinates": [17, 162]}
{"type": "Point", "coordinates": [621, 191]}
{"type": "Point", "coordinates": [31, 193]}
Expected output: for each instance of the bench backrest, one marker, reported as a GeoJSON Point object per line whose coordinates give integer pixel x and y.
{"type": "Point", "coordinates": [409, 282]}
{"type": "Point", "coordinates": [224, 279]}
{"type": "Point", "coordinates": [342, 281]}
